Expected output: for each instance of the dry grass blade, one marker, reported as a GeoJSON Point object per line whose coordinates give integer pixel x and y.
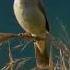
{"type": "Point", "coordinates": [11, 61]}
{"type": "Point", "coordinates": [21, 62]}
{"type": "Point", "coordinates": [69, 63]}
{"type": "Point", "coordinates": [59, 45]}
{"type": "Point", "coordinates": [62, 65]}
{"type": "Point", "coordinates": [6, 36]}
{"type": "Point", "coordinates": [10, 65]}
{"type": "Point", "coordinates": [51, 64]}
{"type": "Point", "coordinates": [25, 46]}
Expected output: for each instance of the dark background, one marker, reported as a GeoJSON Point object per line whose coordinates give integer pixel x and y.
{"type": "Point", "coordinates": [58, 12]}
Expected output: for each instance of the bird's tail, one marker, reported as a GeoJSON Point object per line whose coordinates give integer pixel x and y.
{"type": "Point", "coordinates": [42, 58]}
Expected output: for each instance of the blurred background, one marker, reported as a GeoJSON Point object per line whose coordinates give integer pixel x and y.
{"type": "Point", "coordinates": [58, 13]}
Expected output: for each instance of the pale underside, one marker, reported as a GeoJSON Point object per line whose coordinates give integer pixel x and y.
{"type": "Point", "coordinates": [31, 20]}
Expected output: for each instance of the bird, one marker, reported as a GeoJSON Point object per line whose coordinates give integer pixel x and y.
{"type": "Point", "coordinates": [31, 16]}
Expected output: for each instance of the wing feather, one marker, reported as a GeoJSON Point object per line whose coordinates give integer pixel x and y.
{"type": "Point", "coordinates": [44, 13]}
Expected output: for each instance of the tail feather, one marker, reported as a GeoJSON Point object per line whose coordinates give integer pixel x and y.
{"type": "Point", "coordinates": [42, 58]}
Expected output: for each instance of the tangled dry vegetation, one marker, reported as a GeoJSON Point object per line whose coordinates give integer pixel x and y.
{"type": "Point", "coordinates": [62, 59]}
{"type": "Point", "coordinates": [57, 61]}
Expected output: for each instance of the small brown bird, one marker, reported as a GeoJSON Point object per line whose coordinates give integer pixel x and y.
{"type": "Point", "coordinates": [31, 16]}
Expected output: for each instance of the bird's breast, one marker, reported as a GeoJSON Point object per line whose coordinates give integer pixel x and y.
{"type": "Point", "coordinates": [30, 18]}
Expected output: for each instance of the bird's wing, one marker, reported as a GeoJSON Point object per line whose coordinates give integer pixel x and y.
{"type": "Point", "coordinates": [44, 13]}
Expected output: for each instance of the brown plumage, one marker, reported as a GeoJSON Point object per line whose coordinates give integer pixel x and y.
{"type": "Point", "coordinates": [32, 18]}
